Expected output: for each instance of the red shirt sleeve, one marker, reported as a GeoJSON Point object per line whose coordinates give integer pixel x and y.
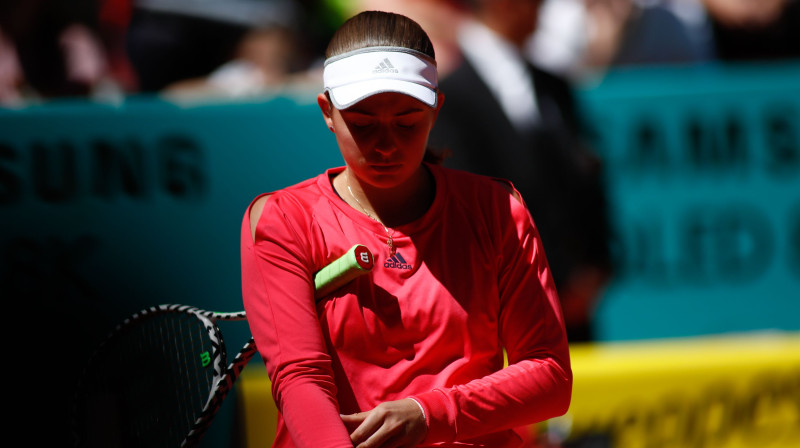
{"type": "Point", "coordinates": [278, 297]}
{"type": "Point", "coordinates": [537, 384]}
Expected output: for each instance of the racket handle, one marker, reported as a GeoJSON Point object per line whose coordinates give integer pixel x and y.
{"type": "Point", "coordinates": [355, 262]}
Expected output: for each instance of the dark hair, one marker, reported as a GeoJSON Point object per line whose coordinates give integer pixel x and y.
{"type": "Point", "coordinates": [379, 29]}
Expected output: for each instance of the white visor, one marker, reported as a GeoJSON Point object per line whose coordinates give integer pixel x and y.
{"type": "Point", "coordinates": [353, 76]}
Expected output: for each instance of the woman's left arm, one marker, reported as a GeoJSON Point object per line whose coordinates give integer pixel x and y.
{"type": "Point", "coordinates": [537, 384]}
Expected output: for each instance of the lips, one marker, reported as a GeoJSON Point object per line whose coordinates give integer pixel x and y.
{"type": "Point", "coordinates": [385, 167]}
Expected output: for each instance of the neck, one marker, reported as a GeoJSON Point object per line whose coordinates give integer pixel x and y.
{"type": "Point", "coordinates": [389, 206]}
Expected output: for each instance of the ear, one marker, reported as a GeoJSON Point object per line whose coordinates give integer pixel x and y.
{"type": "Point", "coordinates": [326, 107]}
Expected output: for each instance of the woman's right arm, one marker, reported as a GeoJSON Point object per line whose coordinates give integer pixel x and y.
{"type": "Point", "coordinates": [277, 290]}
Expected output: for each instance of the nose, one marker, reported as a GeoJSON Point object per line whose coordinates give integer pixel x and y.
{"type": "Point", "coordinates": [385, 142]}
{"type": "Point", "coordinates": [384, 150]}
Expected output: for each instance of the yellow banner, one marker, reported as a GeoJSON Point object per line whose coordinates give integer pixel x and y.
{"type": "Point", "coordinates": [712, 392]}
{"type": "Point", "coordinates": [732, 391]}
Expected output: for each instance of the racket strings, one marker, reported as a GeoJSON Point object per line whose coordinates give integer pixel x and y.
{"type": "Point", "coordinates": [182, 344]}
{"type": "Point", "coordinates": [145, 373]}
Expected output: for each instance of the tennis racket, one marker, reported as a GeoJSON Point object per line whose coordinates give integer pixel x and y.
{"type": "Point", "coordinates": [160, 377]}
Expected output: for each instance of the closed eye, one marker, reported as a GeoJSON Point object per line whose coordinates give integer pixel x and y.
{"type": "Point", "coordinates": [360, 122]}
{"type": "Point", "coordinates": [410, 119]}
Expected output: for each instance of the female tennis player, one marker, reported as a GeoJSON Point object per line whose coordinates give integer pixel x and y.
{"type": "Point", "coordinates": [413, 353]}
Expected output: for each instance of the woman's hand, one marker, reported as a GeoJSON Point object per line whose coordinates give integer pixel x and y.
{"type": "Point", "coordinates": [393, 424]}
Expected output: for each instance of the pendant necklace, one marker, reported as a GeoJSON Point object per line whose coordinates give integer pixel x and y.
{"type": "Point", "coordinates": [390, 241]}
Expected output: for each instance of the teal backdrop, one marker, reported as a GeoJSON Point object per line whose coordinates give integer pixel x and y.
{"type": "Point", "coordinates": [703, 167]}
{"type": "Point", "coordinates": [106, 209]}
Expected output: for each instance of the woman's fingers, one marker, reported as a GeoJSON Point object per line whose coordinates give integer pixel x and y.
{"type": "Point", "coordinates": [375, 436]}
{"type": "Point", "coordinates": [362, 426]}
{"type": "Point", "coordinates": [391, 424]}
{"type": "Point", "coordinates": [352, 421]}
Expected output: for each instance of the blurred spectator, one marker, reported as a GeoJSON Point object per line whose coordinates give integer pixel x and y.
{"type": "Point", "coordinates": [113, 19]}
{"type": "Point", "coordinates": [583, 38]}
{"type": "Point", "coordinates": [175, 40]}
{"type": "Point", "coordinates": [506, 117]}
{"type": "Point", "coordinates": [11, 75]}
{"type": "Point", "coordinates": [53, 49]}
{"type": "Point", "coordinates": [262, 63]}
{"type": "Point", "coordinates": [665, 32]}
{"type": "Point", "coordinates": [750, 30]}
{"type": "Point", "coordinates": [560, 43]}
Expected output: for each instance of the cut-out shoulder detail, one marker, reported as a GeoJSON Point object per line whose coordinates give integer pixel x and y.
{"type": "Point", "coordinates": [507, 185]}
{"type": "Point", "coordinates": [255, 213]}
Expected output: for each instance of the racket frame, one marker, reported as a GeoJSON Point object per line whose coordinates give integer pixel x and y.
{"type": "Point", "coordinates": [225, 375]}
{"type": "Point", "coordinates": [355, 262]}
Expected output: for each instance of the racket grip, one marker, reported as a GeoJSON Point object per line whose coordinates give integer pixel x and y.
{"type": "Point", "coordinates": [358, 260]}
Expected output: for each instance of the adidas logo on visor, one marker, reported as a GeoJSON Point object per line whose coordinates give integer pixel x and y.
{"type": "Point", "coordinates": [385, 66]}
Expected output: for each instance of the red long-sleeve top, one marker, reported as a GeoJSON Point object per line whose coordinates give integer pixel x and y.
{"type": "Point", "coordinates": [469, 279]}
